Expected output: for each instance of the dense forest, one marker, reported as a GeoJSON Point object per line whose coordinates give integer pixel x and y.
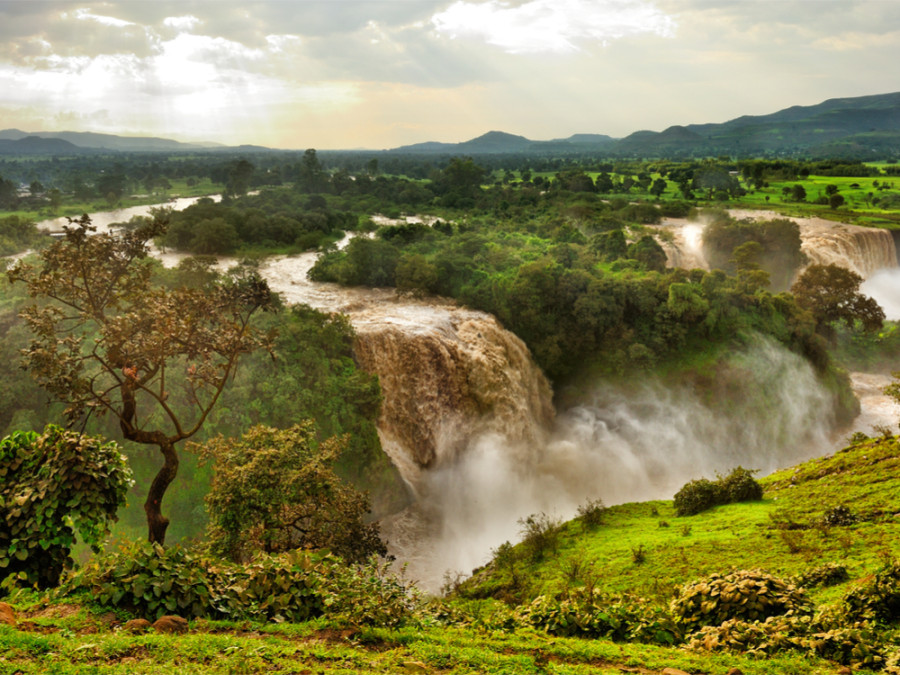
{"type": "Point", "coordinates": [285, 455]}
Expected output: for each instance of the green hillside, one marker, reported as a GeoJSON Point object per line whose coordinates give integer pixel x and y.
{"type": "Point", "coordinates": [822, 541]}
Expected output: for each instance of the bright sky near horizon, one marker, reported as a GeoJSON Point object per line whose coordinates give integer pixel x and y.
{"type": "Point", "coordinates": [333, 74]}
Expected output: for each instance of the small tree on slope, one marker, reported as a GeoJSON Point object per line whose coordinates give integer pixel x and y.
{"type": "Point", "coordinates": [107, 341]}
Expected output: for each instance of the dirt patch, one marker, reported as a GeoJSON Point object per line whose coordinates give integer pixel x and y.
{"type": "Point", "coordinates": [54, 612]}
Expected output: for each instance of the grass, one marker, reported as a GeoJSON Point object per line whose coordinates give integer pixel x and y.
{"type": "Point", "coordinates": [865, 477]}
{"type": "Point", "coordinates": [68, 640]}
{"type": "Point", "coordinates": [55, 637]}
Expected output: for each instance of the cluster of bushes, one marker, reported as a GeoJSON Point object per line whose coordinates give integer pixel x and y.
{"type": "Point", "coordinates": [271, 220]}
{"type": "Point", "coordinates": [149, 581]}
{"type": "Point", "coordinates": [699, 495]}
{"type": "Point", "coordinates": [747, 611]}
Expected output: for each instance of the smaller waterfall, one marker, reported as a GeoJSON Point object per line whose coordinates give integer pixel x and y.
{"type": "Point", "coordinates": [863, 250]}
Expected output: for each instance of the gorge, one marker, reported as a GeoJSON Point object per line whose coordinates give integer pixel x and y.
{"type": "Point", "coordinates": [469, 419]}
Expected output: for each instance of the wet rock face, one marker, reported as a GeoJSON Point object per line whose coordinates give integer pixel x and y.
{"type": "Point", "coordinates": [448, 380]}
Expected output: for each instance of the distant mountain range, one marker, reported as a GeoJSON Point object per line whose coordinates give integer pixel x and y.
{"type": "Point", "coordinates": [16, 142]}
{"type": "Point", "coordinates": [860, 127]}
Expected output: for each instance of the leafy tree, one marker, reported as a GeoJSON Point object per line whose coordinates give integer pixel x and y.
{"type": "Point", "coordinates": [311, 176]}
{"type": "Point", "coordinates": [836, 200]}
{"type": "Point", "coordinates": [798, 193]}
{"type": "Point", "coordinates": [52, 485]}
{"type": "Point", "coordinates": [107, 341]}
{"type": "Point", "coordinates": [647, 251]}
{"type": "Point", "coordinates": [274, 490]}
{"type": "Point", "coordinates": [831, 294]}
{"type": "Point", "coordinates": [237, 181]}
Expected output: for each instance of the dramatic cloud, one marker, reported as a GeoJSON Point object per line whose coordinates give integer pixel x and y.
{"type": "Point", "coordinates": [379, 73]}
{"type": "Point", "coordinates": [556, 26]}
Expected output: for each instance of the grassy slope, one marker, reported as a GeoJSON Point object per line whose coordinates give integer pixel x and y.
{"type": "Point", "coordinates": [66, 639]}
{"type": "Point", "coordinates": [865, 477]}
{"type": "Point", "coordinates": [69, 639]}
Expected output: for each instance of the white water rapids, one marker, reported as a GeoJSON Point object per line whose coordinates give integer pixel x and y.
{"type": "Point", "coordinates": [468, 421]}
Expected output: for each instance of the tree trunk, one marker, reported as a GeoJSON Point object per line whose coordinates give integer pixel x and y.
{"type": "Point", "coordinates": [156, 521]}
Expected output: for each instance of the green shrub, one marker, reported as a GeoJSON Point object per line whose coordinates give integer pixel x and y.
{"type": "Point", "coordinates": [53, 485]}
{"type": "Point", "coordinates": [592, 614]}
{"type": "Point", "coordinates": [858, 646]}
{"type": "Point", "coordinates": [591, 513]}
{"type": "Point", "coordinates": [149, 581]}
{"type": "Point", "coordinates": [698, 496]}
{"type": "Point", "coordinates": [829, 574]}
{"type": "Point", "coordinates": [750, 595]}
{"type": "Point", "coordinates": [740, 486]}
{"type": "Point", "coordinates": [838, 516]}
{"type": "Point", "coordinates": [702, 494]}
{"type": "Point", "coordinates": [878, 600]}
{"type": "Point", "coordinates": [540, 535]}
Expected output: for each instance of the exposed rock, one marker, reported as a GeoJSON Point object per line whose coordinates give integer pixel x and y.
{"type": "Point", "coordinates": [7, 614]}
{"type": "Point", "coordinates": [735, 671]}
{"type": "Point", "coordinates": [447, 375]}
{"type": "Point", "coordinates": [137, 625]}
{"type": "Point", "coordinates": [674, 671]}
{"type": "Point", "coordinates": [170, 624]}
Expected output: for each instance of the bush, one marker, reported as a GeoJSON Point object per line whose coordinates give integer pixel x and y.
{"type": "Point", "coordinates": [149, 581]}
{"type": "Point", "coordinates": [750, 595]}
{"type": "Point", "coordinates": [53, 485]}
{"type": "Point", "coordinates": [829, 574]}
{"type": "Point", "coordinates": [698, 496]}
{"type": "Point", "coordinates": [878, 600]}
{"type": "Point", "coordinates": [838, 516]}
{"type": "Point", "coordinates": [740, 486]}
{"type": "Point", "coordinates": [592, 614]}
{"type": "Point", "coordinates": [858, 646]}
{"type": "Point", "coordinates": [540, 535]}
{"type": "Point", "coordinates": [591, 513]}
{"type": "Point", "coordinates": [275, 490]}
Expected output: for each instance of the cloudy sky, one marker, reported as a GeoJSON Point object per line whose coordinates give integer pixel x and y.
{"type": "Point", "coordinates": [382, 73]}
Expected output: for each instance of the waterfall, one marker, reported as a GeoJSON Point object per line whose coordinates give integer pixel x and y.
{"type": "Point", "coordinates": [449, 375]}
{"type": "Point", "coordinates": [863, 250]}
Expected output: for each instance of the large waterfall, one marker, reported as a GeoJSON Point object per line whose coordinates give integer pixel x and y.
{"type": "Point", "coordinates": [468, 420]}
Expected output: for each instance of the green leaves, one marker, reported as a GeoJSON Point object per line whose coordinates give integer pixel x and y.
{"type": "Point", "coordinates": [295, 586]}
{"type": "Point", "coordinates": [274, 490]}
{"type": "Point", "coordinates": [60, 482]}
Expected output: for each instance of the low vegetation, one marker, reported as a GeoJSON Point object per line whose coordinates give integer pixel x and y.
{"type": "Point", "coordinates": [734, 590]}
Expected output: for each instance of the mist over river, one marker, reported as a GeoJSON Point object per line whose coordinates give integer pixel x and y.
{"type": "Point", "coordinates": [469, 421]}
